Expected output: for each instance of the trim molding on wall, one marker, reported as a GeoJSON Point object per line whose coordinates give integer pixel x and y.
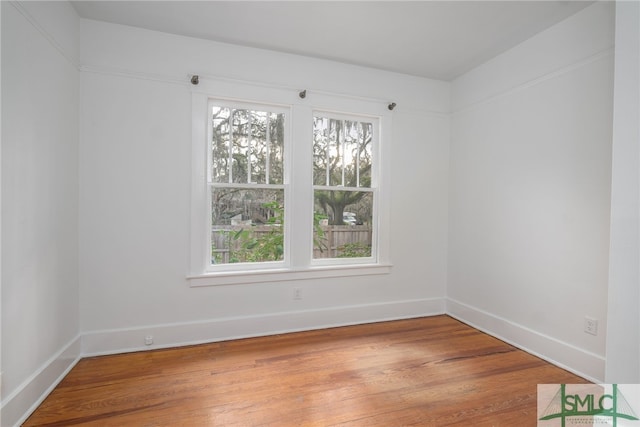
{"type": "Point", "coordinates": [607, 53]}
{"type": "Point", "coordinates": [71, 58]}
{"type": "Point", "coordinates": [184, 80]}
{"type": "Point", "coordinates": [579, 361]}
{"type": "Point", "coordinates": [17, 406]}
{"type": "Point", "coordinates": [181, 334]}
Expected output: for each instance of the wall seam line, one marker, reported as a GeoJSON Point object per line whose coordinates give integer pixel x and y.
{"type": "Point", "coordinates": [605, 53]}
{"type": "Point", "coordinates": [75, 63]}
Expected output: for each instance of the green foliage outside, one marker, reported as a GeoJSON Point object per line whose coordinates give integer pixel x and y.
{"type": "Point", "coordinates": [266, 246]}
{"type": "Point", "coordinates": [354, 250]}
{"type": "Point", "coordinates": [269, 246]}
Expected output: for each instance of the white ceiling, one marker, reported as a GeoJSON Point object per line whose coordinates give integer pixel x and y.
{"type": "Point", "coordinates": [434, 39]}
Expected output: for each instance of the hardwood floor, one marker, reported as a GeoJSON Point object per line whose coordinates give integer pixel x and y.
{"type": "Point", "coordinates": [432, 371]}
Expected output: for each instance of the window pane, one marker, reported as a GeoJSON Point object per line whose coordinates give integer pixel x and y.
{"type": "Point", "coordinates": [240, 147]}
{"type": "Point", "coordinates": [320, 143]}
{"type": "Point", "coordinates": [342, 152]}
{"type": "Point", "coordinates": [247, 146]}
{"type": "Point", "coordinates": [258, 148]}
{"type": "Point", "coordinates": [365, 157]}
{"type": "Point", "coordinates": [276, 149]}
{"type": "Point", "coordinates": [246, 225]}
{"type": "Point", "coordinates": [342, 224]}
{"type": "Point", "coordinates": [219, 160]}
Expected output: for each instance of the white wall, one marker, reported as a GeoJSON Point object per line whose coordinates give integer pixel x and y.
{"type": "Point", "coordinates": [523, 249]}
{"type": "Point", "coordinates": [40, 318]}
{"type": "Point", "coordinates": [623, 331]}
{"type": "Point", "coordinates": [530, 190]}
{"type": "Point", "coordinates": [135, 187]}
{"type": "Point", "coordinates": [0, 214]}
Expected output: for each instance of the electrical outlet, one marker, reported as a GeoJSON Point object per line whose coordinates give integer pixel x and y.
{"type": "Point", "coordinates": [297, 293]}
{"type": "Point", "coordinates": [148, 340]}
{"type": "Point", "coordinates": [591, 325]}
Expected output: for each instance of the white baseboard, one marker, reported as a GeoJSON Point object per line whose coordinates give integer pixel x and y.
{"type": "Point", "coordinates": [173, 335]}
{"type": "Point", "coordinates": [21, 403]}
{"type": "Point", "coordinates": [576, 360]}
{"type": "Point", "coordinates": [17, 406]}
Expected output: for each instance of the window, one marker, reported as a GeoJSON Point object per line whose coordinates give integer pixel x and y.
{"type": "Point", "coordinates": [246, 182]}
{"type": "Point", "coordinates": [285, 191]}
{"type": "Point", "coordinates": [343, 161]}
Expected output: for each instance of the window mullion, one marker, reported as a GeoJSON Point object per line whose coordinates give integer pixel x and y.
{"type": "Point", "coordinates": [249, 145]}
{"type": "Point", "coordinates": [230, 166]}
{"type": "Point", "coordinates": [358, 147]}
{"type": "Point", "coordinates": [300, 209]}
{"type": "Point", "coordinates": [328, 152]}
{"type": "Point", "coordinates": [268, 148]}
{"type": "Point", "coordinates": [210, 143]}
{"type": "Point", "coordinates": [342, 139]}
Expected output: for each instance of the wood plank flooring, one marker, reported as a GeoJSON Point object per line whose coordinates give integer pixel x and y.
{"type": "Point", "coordinates": [432, 371]}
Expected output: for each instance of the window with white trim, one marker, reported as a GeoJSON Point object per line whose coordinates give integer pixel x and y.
{"type": "Point", "coordinates": [246, 178]}
{"type": "Point", "coordinates": [286, 190]}
{"type": "Point", "coordinates": [343, 189]}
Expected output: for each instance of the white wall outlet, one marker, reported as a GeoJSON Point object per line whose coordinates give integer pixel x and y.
{"type": "Point", "coordinates": [297, 293]}
{"type": "Point", "coordinates": [148, 340]}
{"type": "Point", "coordinates": [591, 325]}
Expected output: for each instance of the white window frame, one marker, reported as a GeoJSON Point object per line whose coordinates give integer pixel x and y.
{"type": "Point", "coordinates": [298, 183]}
{"type": "Point", "coordinates": [234, 104]}
{"type": "Point", "coordinates": [373, 259]}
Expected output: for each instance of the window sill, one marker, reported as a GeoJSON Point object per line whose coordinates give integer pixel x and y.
{"type": "Point", "coordinates": [279, 275]}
